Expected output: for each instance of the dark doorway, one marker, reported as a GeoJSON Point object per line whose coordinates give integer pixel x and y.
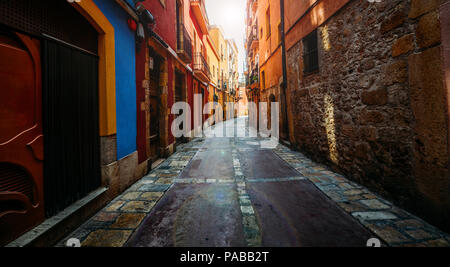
{"type": "Point", "coordinates": [180, 96]}
{"type": "Point", "coordinates": [71, 125]}
{"type": "Point", "coordinates": [153, 143]}
{"type": "Point", "coordinates": [272, 99]}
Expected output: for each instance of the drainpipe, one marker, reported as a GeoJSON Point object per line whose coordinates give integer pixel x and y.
{"type": "Point", "coordinates": [284, 65]}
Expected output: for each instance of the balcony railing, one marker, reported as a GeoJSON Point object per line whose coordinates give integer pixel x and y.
{"type": "Point", "coordinates": [184, 45]}
{"type": "Point", "coordinates": [253, 77]}
{"type": "Point", "coordinates": [200, 14]}
{"type": "Point", "coordinates": [253, 38]}
{"type": "Point", "coordinates": [201, 66]}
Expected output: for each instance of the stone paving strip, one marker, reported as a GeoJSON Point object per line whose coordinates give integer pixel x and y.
{"type": "Point", "coordinates": [251, 229]}
{"type": "Point", "coordinates": [114, 224]}
{"type": "Point", "coordinates": [393, 225]}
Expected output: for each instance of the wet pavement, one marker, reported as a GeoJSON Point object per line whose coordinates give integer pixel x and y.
{"type": "Point", "coordinates": [231, 191]}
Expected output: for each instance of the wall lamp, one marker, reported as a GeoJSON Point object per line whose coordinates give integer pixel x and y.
{"type": "Point", "coordinates": [144, 15]}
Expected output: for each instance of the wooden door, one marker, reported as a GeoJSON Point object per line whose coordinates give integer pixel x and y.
{"type": "Point", "coordinates": [179, 98]}
{"type": "Point", "coordinates": [21, 136]}
{"type": "Point", "coordinates": [155, 104]}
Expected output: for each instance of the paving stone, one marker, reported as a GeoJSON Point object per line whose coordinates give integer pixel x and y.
{"type": "Point", "coordinates": [167, 175]}
{"type": "Point", "coordinates": [138, 206]}
{"type": "Point", "coordinates": [355, 197]}
{"type": "Point", "coordinates": [131, 195]}
{"type": "Point", "coordinates": [315, 180]}
{"type": "Point", "coordinates": [420, 234]}
{"type": "Point", "coordinates": [164, 181]}
{"type": "Point", "coordinates": [106, 216]}
{"type": "Point", "coordinates": [336, 196]}
{"type": "Point", "coordinates": [94, 225]}
{"type": "Point", "coordinates": [151, 196]}
{"type": "Point", "coordinates": [351, 206]}
{"type": "Point", "coordinates": [438, 243]}
{"type": "Point", "coordinates": [327, 188]}
{"type": "Point", "coordinates": [353, 192]}
{"type": "Point", "coordinates": [388, 234]}
{"type": "Point", "coordinates": [128, 220]}
{"type": "Point", "coordinates": [247, 210]}
{"type": "Point", "coordinates": [374, 215]}
{"type": "Point", "coordinates": [375, 204]}
{"type": "Point", "coordinates": [107, 238]}
{"type": "Point", "coordinates": [345, 186]}
{"type": "Point", "coordinates": [154, 188]}
{"type": "Point", "coordinates": [409, 224]}
{"type": "Point", "coordinates": [115, 206]}
{"type": "Point", "coordinates": [369, 196]}
{"type": "Point", "coordinates": [144, 182]}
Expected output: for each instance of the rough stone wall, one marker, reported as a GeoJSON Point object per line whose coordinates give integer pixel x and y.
{"type": "Point", "coordinates": [376, 110]}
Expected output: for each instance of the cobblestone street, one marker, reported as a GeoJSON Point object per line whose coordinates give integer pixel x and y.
{"type": "Point", "coordinates": [233, 192]}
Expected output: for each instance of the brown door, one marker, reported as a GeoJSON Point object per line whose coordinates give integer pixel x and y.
{"type": "Point", "coordinates": [179, 98]}
{"type": "Point", "coordinates": [153, 138]}
{"type": "Point", "coordinates": [21, 138]}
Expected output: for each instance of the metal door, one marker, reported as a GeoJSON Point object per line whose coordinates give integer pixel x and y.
{"type": "Point", "coordinates": [71, 124]}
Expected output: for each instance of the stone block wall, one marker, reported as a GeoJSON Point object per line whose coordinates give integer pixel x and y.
{"type": "Point", "coordinates": [377, 109]}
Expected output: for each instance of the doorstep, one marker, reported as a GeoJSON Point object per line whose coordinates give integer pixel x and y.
{"type": "Point", "coordinates": [50, 229]}
{"type": "Point", "coordinates": [157, 163]}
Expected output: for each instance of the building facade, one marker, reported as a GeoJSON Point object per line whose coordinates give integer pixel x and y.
{"type": "Point", "coordinates": [252, 51]}
{"type": "Point", "coordinates": [89, 127]}
{"type": "Point", "coordinates": [367, 95]}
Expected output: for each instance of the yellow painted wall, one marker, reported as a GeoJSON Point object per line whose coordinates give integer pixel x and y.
{"type": "Point", "coordinates": [221, 45]}
{"type": "Point", "coordinates": [107, 69]}
{"type": "Point", "coordinates": [213, 61]}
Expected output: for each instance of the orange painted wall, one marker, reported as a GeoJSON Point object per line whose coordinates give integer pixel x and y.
{"type": "Point", "coordinates": [294, 9]}
{"type": "Point", "coordinates": [269, 51]}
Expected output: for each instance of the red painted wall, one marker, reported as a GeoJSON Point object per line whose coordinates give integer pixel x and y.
{"type": "Point", "coordinates": [165, 18]}
{"type": "Point", "coordinates": [170, 95]}
{"type": "Point", "coordinates": [190, 95]}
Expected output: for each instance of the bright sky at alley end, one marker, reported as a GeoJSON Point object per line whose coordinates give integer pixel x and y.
{"type": "Point", "coordinates": [230, 15]}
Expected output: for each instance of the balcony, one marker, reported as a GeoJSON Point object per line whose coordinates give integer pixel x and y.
{"type": "Point", "coordinates": [254, 5]}
{"type": "Point", "coordinates": [201, 68]}
{"type": "Point", "coordinates": [253, 78]}
{"type": "Point", "coordinates": [253, 39]}
{"type": "Point", "coordinates": [184, 45]}
{"type": "Point", "coordinates": [198, 8]}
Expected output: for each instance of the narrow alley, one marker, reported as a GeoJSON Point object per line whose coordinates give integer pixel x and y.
{"type": "Point", "coordinates": [237, 123]}
{"type": "Point", "coordinates": [270, 197]}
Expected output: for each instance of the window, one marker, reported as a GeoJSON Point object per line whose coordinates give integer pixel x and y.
{"type": "Point", "coordinates": [310, 53]}
{"type": "Point", "coordinates": [179, 14]}
{"type": "Point", "coordinates": [268, 23]}
{"type": "Point", "coordinates": [263, 80]}
{"type": "Point", "coordinates": [279, 32]}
